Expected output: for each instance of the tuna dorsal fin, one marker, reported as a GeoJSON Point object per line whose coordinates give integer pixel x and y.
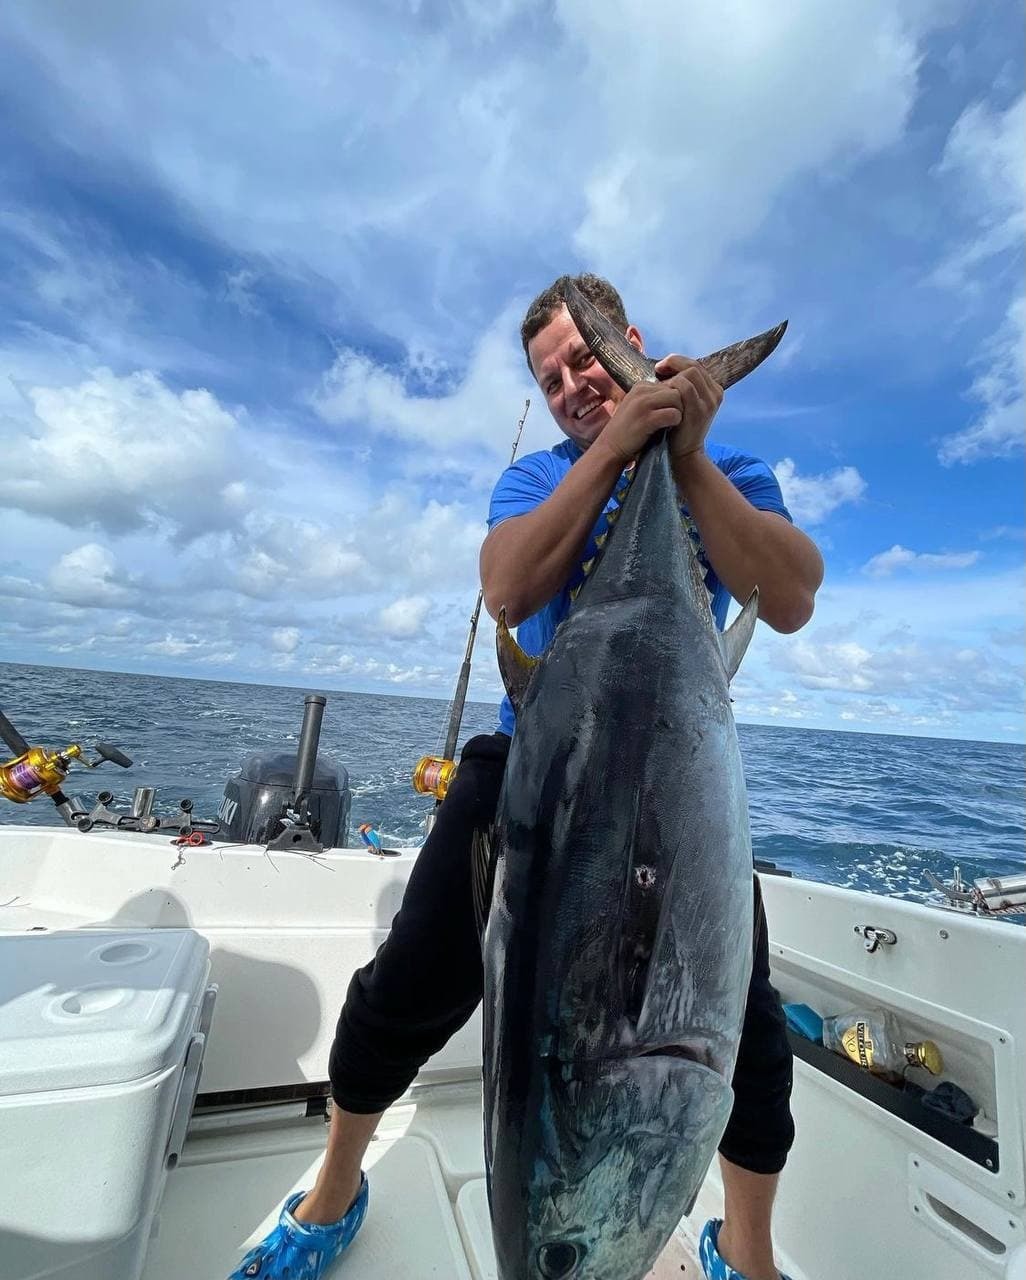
{"type": "Point", "coordinates": [734, 641]}
{"type": "Point", "coordinates": [515, 666]}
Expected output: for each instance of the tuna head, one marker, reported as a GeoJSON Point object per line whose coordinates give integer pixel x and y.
{"type": "Point", "coordinates": [619, 1149]}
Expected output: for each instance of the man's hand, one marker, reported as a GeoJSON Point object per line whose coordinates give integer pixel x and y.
{"type": "Point", "coordinates": [647, 408]}
{"type": "Point", "coordinates": [701, 396]}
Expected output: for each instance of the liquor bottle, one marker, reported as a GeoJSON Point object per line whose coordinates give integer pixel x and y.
{"type": "Point", "coordinates": [872, 1039]}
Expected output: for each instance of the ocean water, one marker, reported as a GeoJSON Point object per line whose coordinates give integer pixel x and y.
{"type": "Point", "coordinates": [871, 811]}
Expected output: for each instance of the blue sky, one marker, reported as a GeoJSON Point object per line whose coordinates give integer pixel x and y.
{"type": "Point", "coordinates": [262, 271]}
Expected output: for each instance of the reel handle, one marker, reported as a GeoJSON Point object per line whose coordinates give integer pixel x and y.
{"type": "Point", "coordinates": [107, 751]}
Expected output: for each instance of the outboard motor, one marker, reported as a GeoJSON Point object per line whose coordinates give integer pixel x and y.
{"type": "Point", "coordinates": [274, 794]}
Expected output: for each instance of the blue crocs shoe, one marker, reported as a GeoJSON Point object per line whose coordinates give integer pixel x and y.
{"type": "Point", "coordinates": [301, 1250]}
{"type": "Point", "coordinates": [709, 1255]}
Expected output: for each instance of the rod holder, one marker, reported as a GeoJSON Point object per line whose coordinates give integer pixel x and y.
{"type": "Point", "coordinates": [142, 802]}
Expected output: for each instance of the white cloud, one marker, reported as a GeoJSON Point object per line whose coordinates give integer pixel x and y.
{"type": "Point", "coordinates": [107, 307]}
{"type": "Point", "coordinates": [482, 409]}
{"type": "Point", "coordinates": [454, 158]}
{"type": "Point", "coordinates": [238, 288]}
{"type": "Point", "coordinates": [984, 155]}
{"type": "Point", "coordinates": [91, 576]}
{"type": "Point", "coordinates": [828, 665]}
{"type": "Point", "coordinates": [340, 662]}
{"type": "Point", "coordinates": [285, 639]}
{"type": "Point", "coordinates": [998, 432]}
{"type": "Point", "coordinates": [306, 223]}
{"type": "Point", "coordinates": [899, 557]}
{"type": "Point", "coordinates": [282, 554]}
{"type": "Point", "coordinates": [404, 617]}
{"type": "Point", "coordinates": [1004, 532]}
{"type": "Point", "coordinates": [439, 539]}
{"type": "Point", "coordinates": [789, 91]}
{"type": "Point", "coordinates": [16, 588]}
{"type": "Point", "coordinates": [928, 674]}
{"type": "Point", "coordinates": [120, 453]}
{"type": "Point", "coordinates": [900, 641]}
{"type": "Point", "coordinates": [173, 646]}
{"type": "Point", "coordinates": [397, 540]}
{"type": "Point", "coordinates": [811, 499]}
{"type": "Point", "coordinates": [895, 717]}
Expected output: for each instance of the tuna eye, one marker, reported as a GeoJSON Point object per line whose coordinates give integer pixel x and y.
{"type": "Point", "coordinates": [559, 1260]}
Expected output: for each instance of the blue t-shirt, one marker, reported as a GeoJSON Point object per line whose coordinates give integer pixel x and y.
{"type": "Point", "coordinates": [528, 482]}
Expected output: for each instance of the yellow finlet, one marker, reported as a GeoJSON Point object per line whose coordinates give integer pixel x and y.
{"type": "Point", "coordinates": [515, 666]}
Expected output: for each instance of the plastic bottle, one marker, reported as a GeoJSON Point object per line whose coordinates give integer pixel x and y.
{"type": "Point", "coordinates": [872, 1039]}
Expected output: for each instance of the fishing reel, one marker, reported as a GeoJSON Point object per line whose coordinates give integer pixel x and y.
{"type": "Point", "coordinates": [433, 775]}
{"type": "Point", "coordinates": [35, 772]}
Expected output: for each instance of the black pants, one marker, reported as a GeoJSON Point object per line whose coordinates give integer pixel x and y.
{"type": "Point", "coordinates": [426, 980]}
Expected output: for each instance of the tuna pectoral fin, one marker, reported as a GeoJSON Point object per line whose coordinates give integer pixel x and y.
{"type": "Point", "coordinates": [515, 666]}
{"type": "Point", "coordinates": [735, 640]}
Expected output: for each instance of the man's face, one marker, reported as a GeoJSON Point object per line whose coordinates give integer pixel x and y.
{"type": "Point", "coordinates": [581, 396]}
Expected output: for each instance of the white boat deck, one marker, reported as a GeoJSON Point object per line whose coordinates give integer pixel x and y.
{"type": "Point", "coordinates": [428, 1212]}
{"type": "Point", "coordinates": [286, 932]}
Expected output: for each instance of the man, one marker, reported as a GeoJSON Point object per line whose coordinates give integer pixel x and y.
{"type": "Point", "coordinates": [426, 979]}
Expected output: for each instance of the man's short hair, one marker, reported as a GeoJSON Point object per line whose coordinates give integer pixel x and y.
{"type": "Point", "coordinates": [548, 302]}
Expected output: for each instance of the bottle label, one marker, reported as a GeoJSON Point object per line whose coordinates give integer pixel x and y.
{"type": "Point", "coordinates": [858, 1044]}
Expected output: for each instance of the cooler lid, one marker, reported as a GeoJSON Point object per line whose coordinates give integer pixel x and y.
{"type": "Point", "coordinates": [95, 1007]}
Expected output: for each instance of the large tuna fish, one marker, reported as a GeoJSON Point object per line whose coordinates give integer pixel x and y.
{"type": "Point", "coordinates": [618, 946]}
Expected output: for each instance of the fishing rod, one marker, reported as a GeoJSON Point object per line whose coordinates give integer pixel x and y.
{"type": "Point", "coordinates": [433, 775]}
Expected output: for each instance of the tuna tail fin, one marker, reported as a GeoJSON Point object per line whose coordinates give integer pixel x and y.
{"type": "Point", "coordinates": [515, 666]}
{"type": "Point", "coordinates": [626, 365]}
{"type": "Point", "coordinates": [735, 640]}
{"type": "Point", "coordinates": [731, 364]}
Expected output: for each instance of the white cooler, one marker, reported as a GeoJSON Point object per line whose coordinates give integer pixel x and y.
{"type": "Point", "coordinates": [101, 1043]}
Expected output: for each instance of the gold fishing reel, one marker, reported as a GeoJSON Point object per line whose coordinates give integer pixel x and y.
{"type": "Point", "coordinates": [36, 772]}
{"type": "Point", "coordinates": [433, 776]}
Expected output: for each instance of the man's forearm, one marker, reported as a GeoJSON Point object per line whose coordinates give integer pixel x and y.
{"type": "Point", "coordinates": [749, 548]}
{"type": "Point", "coordinates": [526, 560]}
